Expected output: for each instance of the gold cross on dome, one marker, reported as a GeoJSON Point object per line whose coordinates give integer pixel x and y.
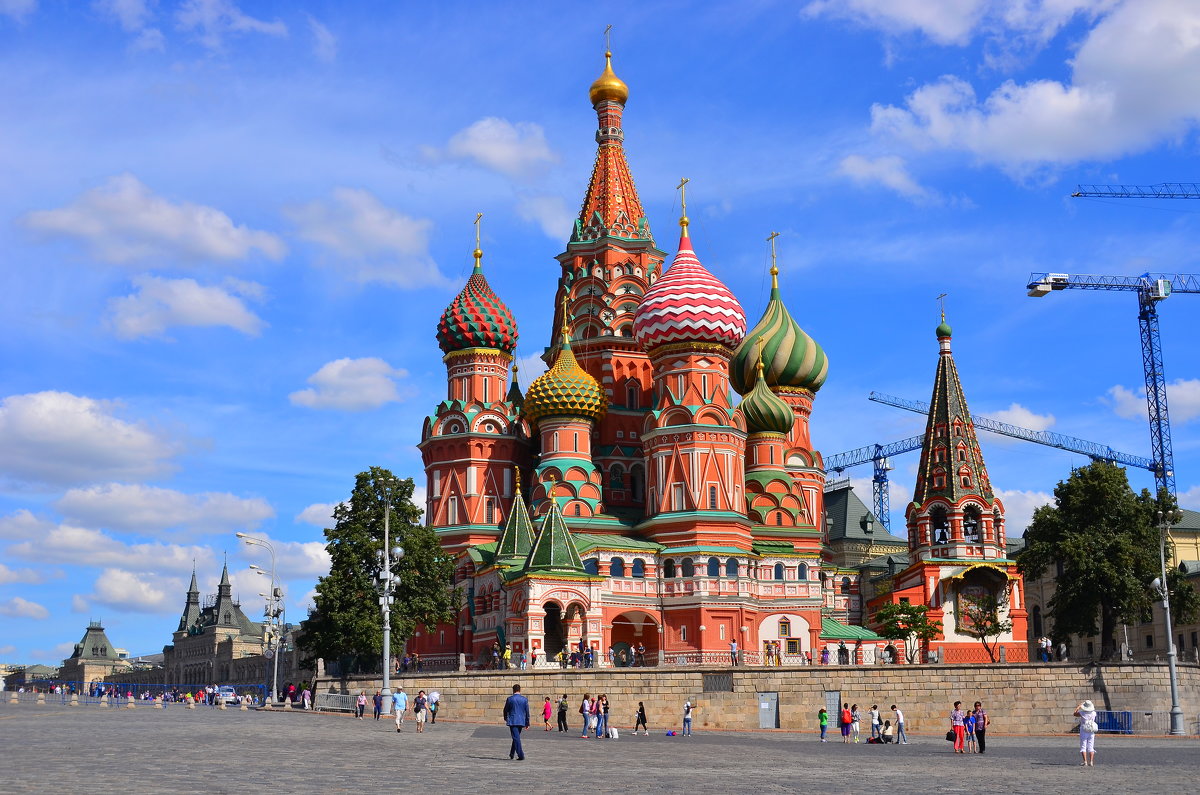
{"type": "Point", "coordinates": [941, 299]}
{"type": "Point", "coordinates": [774, 267]}
{"type": "Point", "coordinates": [607, 40]}
{"type": "Point", "coordinates": [681, 187]}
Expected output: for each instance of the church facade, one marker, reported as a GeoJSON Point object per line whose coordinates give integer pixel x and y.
{"type": "Point", "coordinates": [624, 501]}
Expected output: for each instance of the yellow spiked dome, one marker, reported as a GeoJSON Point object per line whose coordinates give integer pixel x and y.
{"type": "Point", "coordinates": [565, 390]}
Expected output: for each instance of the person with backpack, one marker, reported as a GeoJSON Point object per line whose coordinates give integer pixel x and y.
{"type": "Point", "coordinates": [562, 712]}
{"type": "Point", "coordinates": [823, 722]}
{"type": "Point", "coordinates": [844, 721]}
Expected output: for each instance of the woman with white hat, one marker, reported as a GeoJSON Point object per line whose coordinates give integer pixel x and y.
{"type": "Point", "coordinates": [1086, 712]}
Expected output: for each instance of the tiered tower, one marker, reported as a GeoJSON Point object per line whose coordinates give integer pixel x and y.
{"type": "Point", "coordinates": [475, 440]}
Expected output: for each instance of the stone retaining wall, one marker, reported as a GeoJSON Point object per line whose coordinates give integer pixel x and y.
{"type": "Point", "coordinates": [1020, 698]}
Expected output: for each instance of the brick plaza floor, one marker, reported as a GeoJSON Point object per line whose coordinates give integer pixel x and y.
{"type": "Point", "coordinates": [89, 749]}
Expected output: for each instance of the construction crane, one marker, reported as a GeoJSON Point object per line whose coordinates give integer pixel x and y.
{"type": "Point", "coordinates": [1163, 190]}
{"type": "Point", "coordinates": [880, 454]}
{"type": "Point", "coordinates": [1150, 289]}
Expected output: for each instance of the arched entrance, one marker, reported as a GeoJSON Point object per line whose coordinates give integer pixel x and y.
{"type": "Point", "coordinates": [555, 631]}
{"type": "Point", "coordinates": [630, 629]}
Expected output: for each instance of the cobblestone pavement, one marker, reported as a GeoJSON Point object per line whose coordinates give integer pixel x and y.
{"type": "Point", "coordinates": [54, 748]}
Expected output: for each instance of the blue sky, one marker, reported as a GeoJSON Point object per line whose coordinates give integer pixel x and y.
{"type": "Point", "coordinates": [227, 231]}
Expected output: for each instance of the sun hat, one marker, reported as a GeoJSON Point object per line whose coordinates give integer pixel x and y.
{"type": "Point", "coordinates": [1088, 706]}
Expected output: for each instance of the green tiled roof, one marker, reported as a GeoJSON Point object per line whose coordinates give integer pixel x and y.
{"type": "Point", "coordinates": [832, 629]}
{"type": "Point", "coordinates": [774, 547]}
{"type": "Point", "coordinates": [586, 542]}
{"type": "Point", "coordinates": [553, 550]}
{"type": "Point", "coordinates": [517, 538]}
{"type": "Point", "coordinates": [482, 554]}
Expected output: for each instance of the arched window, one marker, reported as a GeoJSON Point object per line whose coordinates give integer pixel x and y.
{"type": "Point", "coordinates": [669, 568]}
{"type": "Point", "coordinates": [845, 585]}
{"type": "Point", "coordinates": [802, 572]}
{"type": "Point", "coordinates": [1037, 620]}
{"type": "Point", "coordinates": [971, 524]}
{"type": "Point", "coordinates": [591, 566]}
{"type": "Point", "coordinates": [578, 509]}
{"type": "Point", "coordinates": [779, 571]}
{"type": "Point", "coordinates": [712, 498]}
{"type": "Point", "coordinates": [940, 525]}
{"type": "Point", "coordinates": [731, 567]}
{"type": "Point", "coordinates": [633, 395]}
{"type": "Point", "coordinates": [714, 567]}
{"type": "Point", "coordinates": [490, 511]}
{"type": "Point", "coordinates": [687, 568]}
{"type": "Point", "coordinates": [616, 567]}
{"type": "Point", "coordinates": [639, 567]}
{"type": "Point", "coordinates": [452, 510]}
{"type": "Point", "coordinates": [779, 518]}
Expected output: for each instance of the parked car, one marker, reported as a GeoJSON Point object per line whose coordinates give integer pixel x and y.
{"type": "Point", "coordinates": [227, 694]}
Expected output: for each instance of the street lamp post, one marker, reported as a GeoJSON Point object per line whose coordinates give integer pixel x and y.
{"type": "Point", "coordinates": [1165, 520]}
{"type": "Point", "coordinates": [273, 609]}
{"type": "Point", "coordinates": [386, 556]}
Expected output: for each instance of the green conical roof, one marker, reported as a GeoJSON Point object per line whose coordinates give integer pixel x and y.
{"type": "Point", "coordinates": [791, 358]}
{"type": "Point", "coordinates": [553, 550]}
{"type": "Point", "coordinates": [764, 411]}
{"type": "Point", "coordinates": [517, 538]}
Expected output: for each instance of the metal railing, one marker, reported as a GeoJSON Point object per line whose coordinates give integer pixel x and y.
{"type": "Point", "coordinates": [335, 702]}
{"type": "Point", "coordinates": [1145, 722]}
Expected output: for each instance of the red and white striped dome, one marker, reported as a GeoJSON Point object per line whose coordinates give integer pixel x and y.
{"type": "Point", "coordinates": [688, 304]}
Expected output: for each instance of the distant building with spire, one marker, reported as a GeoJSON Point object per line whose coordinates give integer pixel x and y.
{"type": "Point", "coordinates": [627, 500]}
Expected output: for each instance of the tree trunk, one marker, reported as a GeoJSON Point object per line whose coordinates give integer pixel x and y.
{"type": "Point", "coordinates": [1108, 632]}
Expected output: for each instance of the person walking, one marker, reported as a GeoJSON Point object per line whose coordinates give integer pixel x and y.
{"type": "Point", "coordinates": [823, 722]}
{"type": "Point", "coordinates": [306, 697]}
{"type": "Point", "coordinates": [687, 718]}
{"type": "Point", "coordinates": [958, 726]}
{"type": "Point", "coordinates": [516, 717]}
{"type": "Point", "coordinates": [377, 704]}
{"type": "Point", "coordinates": [547, 709]}
{"type": "Point", "coordinates": [641, 720]}
{"type": "Point", "coordinates": [981, 723]}
{"type": "Point", "coordinates": [1086, 712]}
{"type": "Point", "coordinates": [901, 737]}
{"type": "Point", "coordinates": [844, 721]}
{"type": "Point", "coordinates": [435, 701]}
{"type": "Point", "coordinates": [876, 723]}
{"type": "Point", "coordinates": [420, 707]}
{"type": "Point", "coordinates": [562, 712]}
{"type": "Point", "coordinates": [361, 703]}
{"type": "Point", "coordinates": [855, 722]}
{"type": "Point", "coordinates": [399, 706]}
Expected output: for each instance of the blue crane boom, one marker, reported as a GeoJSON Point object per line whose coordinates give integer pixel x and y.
{"type": "Point", "coordinates": [1161, 190]}
{"type": "Point", "coordinates": [1150, 289]}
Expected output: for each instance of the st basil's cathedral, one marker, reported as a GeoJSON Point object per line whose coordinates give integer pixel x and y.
{"type": "Point", "coordinates": [626, 503]}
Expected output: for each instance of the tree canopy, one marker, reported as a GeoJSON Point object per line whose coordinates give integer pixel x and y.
{"type": "Point", "coordinates": [986, 619]}
{"type": "Point", "coordinates": [909, 623]}
{"type": "Point", "coordinates": [1103, 541]}
{"type": "Point", "coordinates": [347, 624]}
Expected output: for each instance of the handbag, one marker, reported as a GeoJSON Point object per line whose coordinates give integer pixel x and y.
{"type": "Point", "coordinates": [1091, 726]}
{"type": "Point", "coordinates": [950, 736]}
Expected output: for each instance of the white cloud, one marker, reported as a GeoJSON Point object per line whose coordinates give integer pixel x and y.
{"type": "Point", "coordinates": [351, 385]}
{"type": "Point", "coordinates": [514, 150]}
{"type": "Point", "coordinates": [371, 241]}
{"type": "Point", "coordinates": [213, 20]}
{"type": "Point", "coordinates": [1133, 84]}
{"type": "Point", "coordinates": [944, 21]}
{"type": "Point", "coordinates": [419, 496]}
{"type": "Point", "coordinates": [122, 222]}
{"type": "Point", "coordinates": [43, 541]}
{"type": "Point", "coordinates": [899, 496]}
{"type": "Point", "coordinates": [1190, 499]}
{"type": "Point", "coordinates": [161, 303]}
{"type": "Point", "coordinates": [79, 604]}
{"type": "Point", "coordinates": [1183, 400]}
{"type": "Point", "coordinates": [7, 649]}
{"type": "Point", "coordinates": [325, 44]}
{"type": "Point", "coordinates": [137, 592]}
{"type": "Point", "coordinates": [134, 17]}
{"type": "Point", "coordinates": [319, 514]}
{"type": "Point", "coordinates": [149, 39]}
{"type": "Point", "coordinates": [17, 607]}
{"type": "Point", "coordinates": [292, 558]}
{"type": "Point", "coordinates": [1019, 507]}
{"type": "Point", "coordinates": [25, 576]}
{"type": "Point", "coordinates": [57, 437]}
{"type": "Point", "coordinates": [17, 9]}
{"type": "Point", "coordinates": [55, 653]}
{"type": "Point", "coordinates": [551, 213]}
{"type": "Point", "coordinates": [528, 368]}
{"type": "Point", "coordinates": [133, 508]}
{"type": "Point", "coordinates": [890, 171]}
{"type": "Point", "coordinates": [1016, 414]}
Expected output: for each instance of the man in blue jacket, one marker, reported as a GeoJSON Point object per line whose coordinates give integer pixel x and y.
{"type": "Point", "coordinates": [516, 716]}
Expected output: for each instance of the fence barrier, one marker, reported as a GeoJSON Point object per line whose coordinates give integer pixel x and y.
{"type": "Point", "coordinates": [335, 702]}
{"type": "Point", "coordinates": [121, 693]}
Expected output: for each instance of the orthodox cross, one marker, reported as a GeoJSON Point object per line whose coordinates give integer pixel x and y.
{"type": "Point", "coordinates": [477, 226]}
{"type": "Point", "coordinates": [607, 40]}
{"type": "Point", "coordinates": [941, 299]}
{"type": "Point", "coordinates": [774, 268]}
{"type": "Point", "coordinates": [683, 193]}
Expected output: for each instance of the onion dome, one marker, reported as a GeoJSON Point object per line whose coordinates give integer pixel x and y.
{"type": "Point", "coordinates": [477, 318]}
{"type": "Point", "coordinates": [688, 304]}
{"type": "Point", "coordinates": [790, 357]}
{"type": "Point", "coordinates": [943, 329]}
{"type": "Point", "coordinates": [765, 412]}
{"type": "Point", "coordinates": [565, 390]}
{"type": "Point", "coordinates": [608, 86]}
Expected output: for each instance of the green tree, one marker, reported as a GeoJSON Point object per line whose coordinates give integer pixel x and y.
{"type": "Point", "coordinates": [909, 623]}
{"type": "Point", "coordinates": [1103, 541]}
{"type": "Point", "coordinates": [986, 618]}
{"type": "Point", "coordinates": [347, 625]}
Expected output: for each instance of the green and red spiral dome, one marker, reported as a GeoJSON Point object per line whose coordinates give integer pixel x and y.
{"type": "Point", "coordinates": [477, 318]}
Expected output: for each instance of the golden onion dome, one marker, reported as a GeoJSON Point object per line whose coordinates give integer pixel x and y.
{"type": "Point", "coordinates": [565, 390]}
{"type": "Point", "coordinates": [608, 85]}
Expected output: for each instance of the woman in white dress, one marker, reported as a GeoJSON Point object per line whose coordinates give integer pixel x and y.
{"type": "Point", "coordinates": [1086, 712]}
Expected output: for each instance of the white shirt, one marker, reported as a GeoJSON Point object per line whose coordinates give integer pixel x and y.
{"type": "Point", "coordinates": [875, 717]}
{"type": "Point", "coordinates": [687, 709]}
{"type": "Point", "coordinates": [899, 716]}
